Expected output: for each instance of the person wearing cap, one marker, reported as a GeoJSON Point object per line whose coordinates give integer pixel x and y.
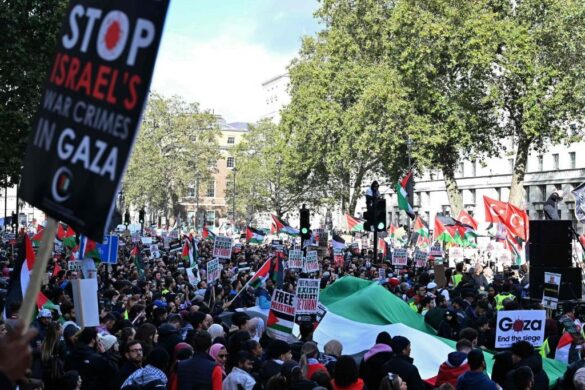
{"type": "Point", "coordinates": [402, 364]}
{"type": "Point", "coordinates": [44, 318]}
{"type": "Point", "coordinates": [278, 352]}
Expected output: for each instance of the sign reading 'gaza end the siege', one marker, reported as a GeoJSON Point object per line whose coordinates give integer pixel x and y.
{"type": "Point", "coordinates": [90, 110]}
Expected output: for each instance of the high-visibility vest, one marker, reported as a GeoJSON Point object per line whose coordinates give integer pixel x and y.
{"type": "Point", "coordinates": [456, 279]}
{"type": "Point", "coordinates": [544, 349]}
{"type": "Point", "coordinates": [500, 298]}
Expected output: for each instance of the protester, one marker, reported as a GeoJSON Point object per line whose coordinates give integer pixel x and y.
{"type": "Point", "coordinates": [200, 371]}
{"type": "Point", "coordinates": [240, 378]}
{"type": "Point", "coordinates": [152, 375]}
{"type": "Point", "coordinates": [475, 378]}
{"type": "Point", "coordinates": [402, 365]}
{"type": "Point", "coordinates": [455, 365]}
{"type": "Point", "coordinates": [373, 360]}
{"type": "Point", "coordinates": [346, 375]}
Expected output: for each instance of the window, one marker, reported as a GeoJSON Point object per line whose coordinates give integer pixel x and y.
{"type": "Point", "coordinates": [511, 165]}
{"type": "Point", "coordinates": [527, 194]}
{"type": "Point", "coordinates": [473, 168]}
{"type": "Point", "coordinates": [499, 192]}
{"type": "Point", "coordinates": [472, 196]}
{"type": "Point", "coordinates": [542, 190]}
{"type": "Point", "coordinates": [231, 140]}
{"type": "Point", "coordinates": [556, 161]}
{"type": "Point", "coordinates": [191, 192]}
{"type": "Point", "coordinates": [572, 160]}
{"type": "Point", "coordinates": [416, 199]}
{"type": "Point", "coordinates": [230, 162]}
{"type": "Point", "coordinates": [540, 163]}
{"type": "Point", "coordinates": [211, 189]}
{"type": "Point", "coordinates": [210, 217]}
{"type": "Point", "coordinates": [461, 169]}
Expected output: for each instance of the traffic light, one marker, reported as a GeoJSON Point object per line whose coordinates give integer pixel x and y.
{"type": "Point", "coordinates": [127, 218]}
{"type": "Point", "coordinates": [305, 224]}
{"type": "Point", "coordinates": [375, 216]}
{"type": "Point", "coordinates": [141, 216]}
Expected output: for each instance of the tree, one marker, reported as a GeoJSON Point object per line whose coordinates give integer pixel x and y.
{"type": "Point", "coordinates": [29, 32]}
{"type": "Point", "coordinates": [264, 180]}
{"type": "Point", "coordinates": [347, 117]}
{"type": "Point", "coordinates": [538, 79]}
{"type": "Point", "coordinates": [176, 143]}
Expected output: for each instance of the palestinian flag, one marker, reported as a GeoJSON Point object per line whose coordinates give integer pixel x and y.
{"type": "Point", "coordinates": [440, 232]}
{"type": "Point", "coordinates": [337, 242]}
{"type": "Point", "coordinates": [60, 232]}
{"type": "Point", "coordinates": [20, 279]}
{"type": "Point", "coordinates": [36, 239]}
{"type": "Point", "coordinates": [402, 189]}
{"type": "Point", "coordinates": [207, 234]}
{"type": "Point", "coordinates": [69, 238]}
{"type": "Point", "coordinates": [88, 248]}
{"type": "Point", "coordinates": [261, 275]}
{"type": "Point", "coordinates": [421, 227]}
{"type": "Point", "coordinates": [354, 224]}
{"type": "Point", "coordinates": [272, 229]}
{"type": "Point", "coordinates": [358, 310]}
{"type": "Point", "coordinates": [254, 236]}
{"type": "Point", "coordinates": [186, 253]}
{"type": "Point", "coordinates": [281, 227]}
{"type": "Point", "coordinates": [383, 248]}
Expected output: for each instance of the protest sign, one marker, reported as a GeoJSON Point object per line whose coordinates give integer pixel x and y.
{"type": "Point", "coordinates": [520, 325]}
{"type": "Point", "coordinates": [295, 259]}
{"type": "Point", "coordinates": [109, 249]}
{"type": "Point", "coordinates": [400, 257]}
{"type": "Point", "coordinates": [193, 276]}
{"type": "Point", "coordinates": [213, 270]}
{"type": "Point", "coordinates": [146, 240]}
{"type": "Point", "coordinates": [85, 301]}
{"type": "Point", "coordinates": [321, 312]}
{"type": "Point", "coordinates": [311, 262]}
{"type": "Point", "coordinates": [338, 258]}
{"type": "Point", "coordinates": [550, 294]}
{"type": "Point", "coordinates": [243, 265]}
{"type": "Point", "coordinates": [455, 255]}
{"type": "Point", "coordinates": [74, 265]}
{"type": "Point", "coordinates": [135, 237]}
{"type": "Point", "coordinates": [90, 110]}
{"type": "Point", "coordinates": [322, 236]}
{"type": "Point", "coordinates": [504, 258]}
{"type": "Point", "coordinates": [175, 246]}
{"type": "Point", "coordinates": [307, 296]}
{"type": "Point", "coordinates": [281, 316]}
{"type": "Point", "coordinates": [355, 248]}
{"type": "Point", "coordinates": [420, 258]}
{"type": "Point", "coordinates": [436, 250]}
{"type": "Point", "coordinates": [222, 247]}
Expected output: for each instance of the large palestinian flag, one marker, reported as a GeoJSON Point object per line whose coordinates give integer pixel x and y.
{"type": "Point", "coordinates": [359, 309]}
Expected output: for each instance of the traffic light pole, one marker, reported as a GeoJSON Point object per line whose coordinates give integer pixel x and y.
{"type": "Point", "coordinates": [375, 247]}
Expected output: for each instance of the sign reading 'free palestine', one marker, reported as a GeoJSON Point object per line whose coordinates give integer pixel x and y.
{"type": "Point", "coordinates": [90, 110]}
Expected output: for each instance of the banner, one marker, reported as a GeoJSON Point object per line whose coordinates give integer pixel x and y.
{"type": "Point", "coordinates": [420, 258]}
{"type": "Point", "coordinates": [338, 257]}
{"type": "Point", "coordinates": [436, 251]}
{"type": "Point", "coordinates": [400, 257]}
{"type": "Point", "coordinates": [520, 325]}
{"type": "Point", "coordinates": [222, 247]}
{"type": "Point", "coordinates": [311, 262]}
{"type": "Point", "coordinates": [579, 195]}
{"type": "Point", "coordinates": [550, 294]}
{"type": "Point", "coordinates": [213, 270]}
{"type": "Point", "coordinates": [281, 315]}
{"type": "Point", "coordinates": [295, 259]}
{"type": "Point", "coordinates": [307, 296]}
{"type": "Point", "coordinates": [90, 110]}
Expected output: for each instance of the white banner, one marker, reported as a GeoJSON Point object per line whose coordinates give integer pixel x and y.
{"type": "Point", "coordinates": [311, 262]}
{"type": "Point", "coordinates": [400, 257]}
{"type": "Point", "coordinates": [222, 247]}
{"type": "Point", "coordinates": [455, 255]}
{"type": "Point", "coordinates": [520, 325]}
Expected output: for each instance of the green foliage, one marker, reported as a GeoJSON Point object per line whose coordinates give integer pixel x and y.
{"type": "Point", "coordinates": [176, 143]}
{"type": "Point", "coordinates": [29, 31]}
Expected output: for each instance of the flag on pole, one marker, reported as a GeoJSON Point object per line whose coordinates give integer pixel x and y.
{"type": "Point", "coordinates": [465, 218]}
{"type": "Point", "coordinates": [337, 242]}
{"type": "Point", "coordinates": [282, 227]}
{"type": "Point", "coordinates": [261, 275]}
{"type": "Point", "coordinates": [88, 248]}
{"type": "Point", "coordinates": [495, 210]}
{"type": "Point", "coordinates": [354, 224]}
{"type": "Point", "coordinates": [440, 232]}
{"type": "Point", "coordinates": [254, 236]}
{"type": "Point", "coordinates": [207, 234]}
{"type": "Point", "coordinates": [421, 227]}
{"type": "Point", "coordinates": [401, 192]}
{"type": "Point", "coordinates": [516, 220]}
{"type": "Point", "coordinates": [69, 238]}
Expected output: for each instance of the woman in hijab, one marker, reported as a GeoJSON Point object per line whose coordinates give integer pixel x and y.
{"type": "Point", "coordinates": [219, 353]}
{"type": "Point", "coordinates": [182, 351]}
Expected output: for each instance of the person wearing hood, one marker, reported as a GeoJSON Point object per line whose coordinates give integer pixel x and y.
{"type": "Point", "coordinates": [455, 365]}
{"type": "Point", "coordinates": [374, 359]}
{"type": "Point", "coordinates": [449, 327]}
{"type": "Point", "coordinates": [402, 364]}
{"type": "Point", "coordinates": [524, 355]}
{"type": "Point", "coordinates": [475, 378]}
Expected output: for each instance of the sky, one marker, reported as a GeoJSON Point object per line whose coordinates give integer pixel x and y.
{"type": "Point", "coordinates": [218, 52]}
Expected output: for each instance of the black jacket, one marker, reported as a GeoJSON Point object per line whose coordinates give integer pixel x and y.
{"type": "Point", "coordinates": [371, 369]}
{"type": "Point", "coordinates": [269, 369]}
{"type": "Point", "coordinates": [402, 366]}
{"type": "Point", "coordinates": [195, 373]}
{"type": "Point", "coordinates": [534, 361]}
{"type": "Point", "coordinates": [96, 371]}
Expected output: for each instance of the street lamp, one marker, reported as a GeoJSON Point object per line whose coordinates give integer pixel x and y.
{"type": "Point", "coordinates": [197, 177]}
{"type": "Point", "coordinates": [234, 170]}
{"type": "Point", "coordinates": [278, 165]}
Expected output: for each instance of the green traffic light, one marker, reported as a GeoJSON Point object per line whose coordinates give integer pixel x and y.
{"type": "Point", "coordinates": [304, 230]}
{"type": "Point", "coordinates": [381, 226]}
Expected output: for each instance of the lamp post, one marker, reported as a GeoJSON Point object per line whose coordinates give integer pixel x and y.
{"type": "Point", "coordinates": [234, 170]}
{"type": "Point", "coordinates": [278, 165]}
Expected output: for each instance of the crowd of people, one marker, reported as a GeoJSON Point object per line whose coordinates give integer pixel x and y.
{"type": "Point", "coordinates": [158, 330]}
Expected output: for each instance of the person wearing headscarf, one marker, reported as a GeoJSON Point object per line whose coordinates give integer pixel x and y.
{"type": "Point", "coordinates": [256, 328]}
{"type": "Point", "coordinates": [182, 351]}
{"type": "Point", "coordinates": [219, 353]}
{"type": "Point", "coordinates": [216, 330]}
{"type": "Point", "coordinates": [373, 360]}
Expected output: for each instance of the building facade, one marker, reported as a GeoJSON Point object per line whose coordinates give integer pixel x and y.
{"type": "Point", "coordinates": [276, 96]}
{"type": "Point", "coordinates": [215, 207]}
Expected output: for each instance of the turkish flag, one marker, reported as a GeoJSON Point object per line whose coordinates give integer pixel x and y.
{"type": "Point", "coordinates": [467, 219]}
{"type": "Point", "coordinates": [495, 210]}
{"type": "Point", "coordinates": [517, 222]}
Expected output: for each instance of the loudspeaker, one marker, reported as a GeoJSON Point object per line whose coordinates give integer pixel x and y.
{"type": "Point", "coordinates": [549, 244]}
{"type": "Point", "coordinates": [570, 282]}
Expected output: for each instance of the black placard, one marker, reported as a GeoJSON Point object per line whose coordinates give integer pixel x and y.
{"type": "Point", "coordinates": [90, 110]}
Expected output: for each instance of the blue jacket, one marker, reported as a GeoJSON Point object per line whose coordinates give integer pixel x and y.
{"type": "Point", "coordinates": [472, 380]}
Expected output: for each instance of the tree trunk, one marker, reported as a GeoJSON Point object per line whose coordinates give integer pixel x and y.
{"type": "Point", "coordinates": [517, 185]}
{"type": "Point", "coordinates": [357, 187]}
{"type": "Point", "coordinates": [455, 198]}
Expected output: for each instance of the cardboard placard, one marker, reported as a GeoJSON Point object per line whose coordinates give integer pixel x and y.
{"type": "Point", "coordinates": [213, 270]}
{"type": "Point", "coordinates": [295, 259]}
{"type": "Point", "coordinates": [90, 110]}
{"type": "Point", "coordinates": [311, 263]}
{"type": "Point", "coordinates": [222, 247]}
{"type": "Point", "coordinates": [400, 257]}
{"type": "Point", "coordinates": [420, 258]}
{"type": "Point", "coordinates": [550, 294]}
{"type": "Point", "coordinates": [282, 315]}
{"type": "Point", "coordinates": [85, 300]}
{"type": "Point", "coordinates": [307, 296]}
{"type": "Point", "coordinates": [520, 325]}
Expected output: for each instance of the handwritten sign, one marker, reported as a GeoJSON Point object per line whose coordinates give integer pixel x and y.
{"type": "Point", "coordinates": [400, 257]}
{"type": "Point", "coordinates": [311, 262]}
{"type": "Point", "coordinates": [307, 296]}
{"type": "Point", "coordinates": [222, 247]}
